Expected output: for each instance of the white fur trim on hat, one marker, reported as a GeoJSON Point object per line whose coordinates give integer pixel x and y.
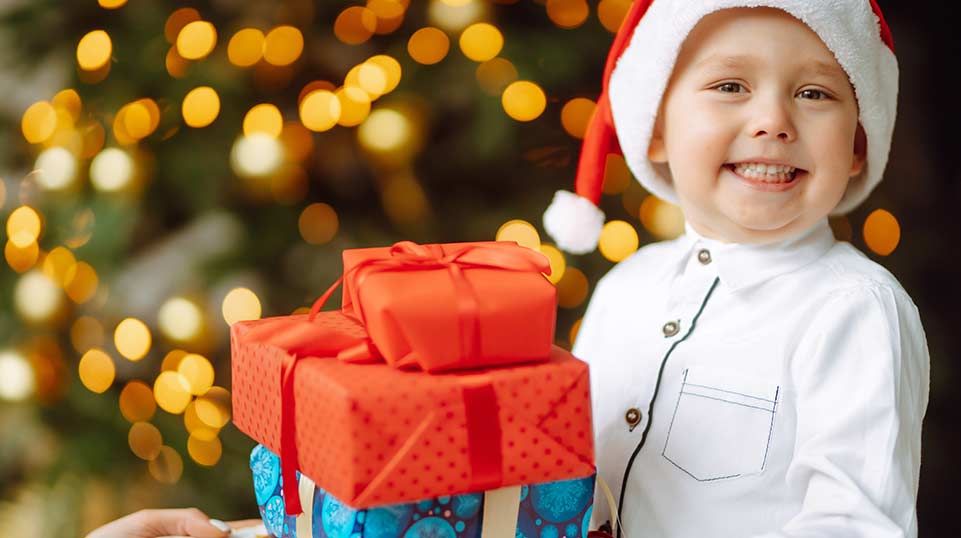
{"type": "Point", "coordinates": [574, 222]}
{"type": "Point", "coordinates": [849, 28]}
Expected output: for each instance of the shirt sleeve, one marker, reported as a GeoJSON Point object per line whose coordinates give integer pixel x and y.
{"type": "Point", "coordinates": [861, 373]}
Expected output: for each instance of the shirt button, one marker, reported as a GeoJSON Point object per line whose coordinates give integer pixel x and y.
{"type": "Point", "coordinates": [704, 256]}
{"type": "Point", "coordinates": [671, 328]}
{"type": "Point", "coordinates": [632, 417]}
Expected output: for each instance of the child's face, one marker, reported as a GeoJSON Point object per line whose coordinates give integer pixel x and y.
{"type": "Point", "coordinates": [773, 105]}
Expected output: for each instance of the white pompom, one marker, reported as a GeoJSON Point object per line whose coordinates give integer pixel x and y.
{"type": "Point", "coordinates": [574, 222]}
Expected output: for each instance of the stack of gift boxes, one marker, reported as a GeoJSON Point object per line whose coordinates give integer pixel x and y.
{"type": "Point", "coordinates": [432, 404]}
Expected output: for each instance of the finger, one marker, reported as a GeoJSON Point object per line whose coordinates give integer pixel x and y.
{"type": "Point", "coordinates": [183, 521]}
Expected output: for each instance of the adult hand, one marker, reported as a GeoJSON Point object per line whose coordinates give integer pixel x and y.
{"type": "Point", "coordinates": [156, 523]}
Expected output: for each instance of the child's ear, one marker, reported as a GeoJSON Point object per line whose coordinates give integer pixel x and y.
{"type": "Point", "coordinates": [656, 152]}
{"type": "Point", "coordinates": [860, 151]}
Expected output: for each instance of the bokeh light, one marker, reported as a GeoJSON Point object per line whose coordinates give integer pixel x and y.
{"type": "Point", "coordinates": [23, 226]}
{"type": "Point", "coordinates": [428, 46]}
{"type": "Point", "coordinates": [576, 115]}
{"type": "Point", "coordinates": [56, 168]}
{"type": "Point", "coordinates": [390, 68]}
{"type": "Point", "coordinates": [558, 264]}
{"type": "Point", "coordinates": [172, 360]}
{"type": "Point", "coordinates": [354, 106]}
{"type": "Point", "coordinates": [572, 288]}
{"type": "Point", "coordinates": [257, 155]}
{"type": "Point", "coordinates": [882, 233]}
{"type": "Point", "coordinates": [21, 259]}
{"type": "Point", "coordinates": [39, 122]}
{"type": "Point", "coordinates": [240, 304]}
{"type": "Point", "coordinates": [180, 319]}
{"type": "Point", "coordinates": [521, 232]}
{"type": "Point", "coordinates": [663, 220]}
{"type": "Point", "coordinates": [145, 440]}
{"type": "Point", "coordinates": [172, 391]}
{"type": "Point", "coordinates": [96, 370]}
{"type": "Point", "coordinates": [523, 100]}
{"type": "Point", "coordinates": [283, 45]}
{"type": "Point", "coordinates": [17, 378]}
{"type": "Point", "coordinates": [567, 13]}
{"type": "Point", "coordinates": [318, 223]}
{"type": "Point", "coordinates": [111, 4]}
{"type": "Point", "coordinates": [85, 333]}
{"type": "Point", "coordinates": [112, 170]}
{"type": "Point", "coordinates": [201, 106]}
{"type": "Point", "coordinates": [132, 339]}
{"type": "Point", "coordinates": [137, 403]}
{"type": "Point", "coordinates": [481, 42]}
{"type": "Point", "coordinates": [263, 118]}
{"type": "Point", "coordinates": [320, 110]}
{"type": "Point", "coordinates": [196, 40]}
{"type": "Point", "coordinates": [37, 297]}
{"type": "Point", "coordinates": [386, 130]}
{"type": "Point", "coordinates": [197, 427]}
{"type": "Point", "coordinates": [213, 408]}
{"type": "Point", "coordinates": [618, 240]}
{"type": "Point", "coordinates": [205, 452]}
{"type": "Point", "coordinates": [575, 328]}
{"type": "Point", "coordinates": [59, 265]}
{"type": "Point", "coordinates": [198, 372]}
{"type": "Point", "coordinates": [94, 50]}
{"type": "Point", "coordinates": [246, 47]}
{"type": "Point", "coordinates": [167, 467]}
{"type": "Point", "coordinates": [611, 13]}
{"type": "Point", "coordinates": [355, 25]}
{"type": "Point", "coordinates": [82, 282]}
{"type": "Point", "coordinates": [453, 15]}
{"type": "Point", "coordinates": [176, 22]}
{"type": "Point", "coordinates": [617, 176]}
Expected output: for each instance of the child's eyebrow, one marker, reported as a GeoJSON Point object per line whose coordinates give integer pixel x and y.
{"type": "Point", "coordinates": [738, 61]}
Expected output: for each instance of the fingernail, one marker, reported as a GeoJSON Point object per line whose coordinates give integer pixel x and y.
{"type": "Point", "coordinates": [220, 525]}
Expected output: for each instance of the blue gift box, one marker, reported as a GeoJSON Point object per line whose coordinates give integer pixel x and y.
{"type": "Point", "coordinates": [550, 510]}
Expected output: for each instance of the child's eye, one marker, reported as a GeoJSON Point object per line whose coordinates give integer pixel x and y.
{"type": "Point", "coordinates": [813, 94]}
{"type": "Point", "coordinates": [731, 87]}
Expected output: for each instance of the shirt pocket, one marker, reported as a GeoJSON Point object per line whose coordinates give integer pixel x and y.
{"type": "Point", "coordinates": [722, 424]}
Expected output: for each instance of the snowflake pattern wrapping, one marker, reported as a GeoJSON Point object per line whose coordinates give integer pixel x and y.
{"type": "Point", "coordinates": [551, 510]}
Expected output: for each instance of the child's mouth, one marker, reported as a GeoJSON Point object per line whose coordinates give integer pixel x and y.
{"type": "Point", "coordinates": [776, 180]}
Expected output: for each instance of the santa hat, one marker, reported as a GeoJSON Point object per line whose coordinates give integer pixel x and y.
{"type": "Point", "coordinates": [640, 64]}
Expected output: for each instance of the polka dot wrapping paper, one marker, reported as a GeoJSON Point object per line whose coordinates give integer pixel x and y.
{"type": "Point", "coordinates": [374, 435]}
{"type": "Point", "coordinates": [559, 509]}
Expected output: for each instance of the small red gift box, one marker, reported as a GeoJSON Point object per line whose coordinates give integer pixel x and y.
{"type": "Point", "coordinates": [450, 306]}
{"type": "Point", "coordinates": [372, 434]}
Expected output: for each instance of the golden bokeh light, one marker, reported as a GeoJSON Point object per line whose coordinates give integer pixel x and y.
{"type": "Point", "coordinates": [618, 240]}
{"type": "Point", "coordinates": [111, 4]}
{"type": "Point", "coordinates": [386, 130]}
{"type": "Point", "coordinates": [283, 45]}
{"type": "Point", "coordinates": [882, 233]}
{"type": "Point", "coordinates": [145, 440]}
{"type": "Point", "coordinates": [318, 223]}
{"type": "Point", "coordinates": [167, 467]}
{"type": "Point", "coordinates": [112, 170]}
{"type": "Point", "coordinates": [39, 122]}
{"type": "Point", "coordinates": [313, 86]}
{"type": "Point", "coordinates": [206, 452]}
{"type": "Point", "coordinates": [246, 47]}
{"type": "Point", "coordinates": [172, 360]}
{"type": "Point", "coordinates": [256, 156]}
{"type": "Point", "coordinates": [18, 380]}
{"type": "Point", "coordinates": [567, 13]}
{"type": "Point", "coordinates": [390, 14]}
{"type": "Point", "coordinates": [663, 220]}
{"type": "Point", "coordinates": [481, 42]}
{"type": "Point", "coordinates": [240, 304]}
{"type": "Point", "coordinates": [21, 259]}
{"type": "Point", "coordinates": [37, 297]}
{"type": "Point", "coordinates": [59, 265]}
{"type": "Point", "coordinates": [390, 68]}
{"type": "Point", "coordinates": [56, 168]}
{"type": "Point", "coordinates": [355, 25]}
{"type": "Point", "coordinates": [611, 13]}
{"type": "Point", "coordinates": [23, 226]}
{"type": "Point", "coordinates": [171, 390]}
{"type": "Point", "coordinates": [263, 118]}
{"type": "Point", "coordinates": [617, 176]}
{"type": "Point", "coordinates": [196, 40]}
{"type": "Point", "coordinates": [369, 77]}
{"type": "Point", "coordinates": [68, 100]}
{"type": "Point", "coordinates": [523, 100]}
{"type": "Point", "coordinates": [495, 75]}
{"type": "Point", "coordinates": [213, 408]}
{"type": "Point", "coordinates": [180, 319]}
{"type": "Point", "coordinates": [558, 264]}
{"type": "Point", "coordinates": [428, 46]}
{"type": "Point", "coordinates": [572, 288]}
{"type": "Point", "coordinates": [176, 22]}
{"type": "Point", "coordinates": [198, 372]}
{"type": "Point", "coordinates": [297, 140]}
{"type": "Point", "coordinates": [197, 427]}
{"type": "Point", "coordinates": [137, 403]}
{"type": "Point", "coordinates": [141, 118]}
{"type": "Point", "coordinates": [521, 232]}
{"type": "Point", "coordinates": [455, 18]}
{"type": "Point", "coordinates": [201, 106]}
{"type": "Point", "coordinates": [320, 110]}
{"type": "Point", "coordinates": [176, 64]}
{"type": "Point", "coordinates": [86, 333]}
{"type": "Point", "coordinates": [576, 115]}
{"type": "Point", "coordinates": [94, 50]}
{"type": "Point", "coordinates": [96, 370]}
{"type": "Point", "coordinates": [575, 328]}
{"type": "Point", "coordinates": [82, 283]}
{"type": "Point", "coordinates": [354, 106]}
{"type": "Point", "coordinates": [132, 339]}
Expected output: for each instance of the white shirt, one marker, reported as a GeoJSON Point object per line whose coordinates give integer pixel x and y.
{"type": "Point", "coordinates": [790, 399]}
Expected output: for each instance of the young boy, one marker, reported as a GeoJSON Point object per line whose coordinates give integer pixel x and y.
{"type": "Point", "coordinates": [754, 377]}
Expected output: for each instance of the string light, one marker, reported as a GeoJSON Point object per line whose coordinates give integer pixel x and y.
{"type": "Point", "coordinates": [246, 47]}
{"type": "Point", "coordinates": [201, 106]}
{"type": "Point", "coordinates": [132, 339]}
{"type": "Point", "coordinates": [263, 118]}
{"type": "Point", "coordinates": [481, 42]}
{"type": "Point", "coordinates": [283, 45]}
{"type": "Point", "coordinates": [39, 122]}
{"type": "Point", "coordinates": [524, 101]}
{"type": "Point", "coordinates": [96, 370]}
{"type": "Point", "coordinates": [94, 50]}
{"type": "Point", "coordinates": [428, 46]}
{"type": "Point", "coordinates": [320, 110]}
{"type": "Point", "coordinates": [355, 25]}
{"type": "Point", "coordinates": [196, 40]}
{"type": "Point", "coordinates": [240, 304]}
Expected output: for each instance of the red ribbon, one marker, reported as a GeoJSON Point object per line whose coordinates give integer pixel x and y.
{"type": "Point", "coordinates": [484, 433]}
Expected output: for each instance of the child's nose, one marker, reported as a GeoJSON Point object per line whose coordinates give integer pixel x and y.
{"type": "Point", "coordinates": [771, 119]}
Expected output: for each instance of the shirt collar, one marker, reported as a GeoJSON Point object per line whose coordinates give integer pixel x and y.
{"type": "Point", "coordinates": [740, 265]}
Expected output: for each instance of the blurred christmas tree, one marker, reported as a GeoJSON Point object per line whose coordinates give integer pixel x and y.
{"type": "Point", "coordinates": [171, 168]}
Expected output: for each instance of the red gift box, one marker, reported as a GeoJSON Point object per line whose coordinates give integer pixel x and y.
{"type": "Point", "coordinates": [450, 306]}
{"type": "Point", "coordinates": [372, 435]}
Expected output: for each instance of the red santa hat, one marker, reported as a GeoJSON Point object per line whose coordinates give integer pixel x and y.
{"type": "Point", "coordinates": [640, 64]}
